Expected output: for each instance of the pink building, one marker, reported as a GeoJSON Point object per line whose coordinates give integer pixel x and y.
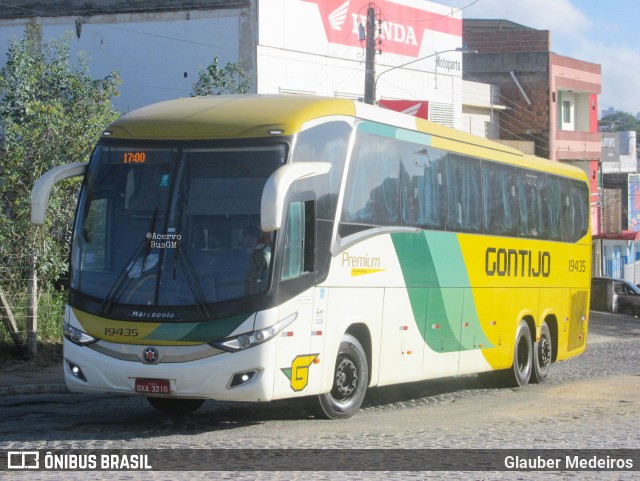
{"type": "Point", "coordinates": [551, 100]}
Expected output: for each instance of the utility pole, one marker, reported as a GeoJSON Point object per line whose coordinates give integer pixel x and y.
{"type": "Point", "coordinates": [370, 67]}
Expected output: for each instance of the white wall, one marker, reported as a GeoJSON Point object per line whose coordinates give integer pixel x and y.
{"type": "Point", "coordinates": [152, 52]}
{"type": "Point", "coordinates": [481, 109]}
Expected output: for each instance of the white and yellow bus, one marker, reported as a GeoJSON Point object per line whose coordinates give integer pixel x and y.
{"type": "Point", "coordinates": [255, 248]}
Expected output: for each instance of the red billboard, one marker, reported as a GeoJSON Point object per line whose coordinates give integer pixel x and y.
{"type": "Point", "coordinates": [417, 108]}
{"type": "Point", "coordinates": [400, 30]}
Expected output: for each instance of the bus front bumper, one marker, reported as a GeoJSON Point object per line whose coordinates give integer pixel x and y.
{"type": "Point", "coordinates": [239, 376]}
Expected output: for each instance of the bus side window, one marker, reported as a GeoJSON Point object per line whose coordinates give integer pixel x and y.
{"type": "Point", "coordinates": [579, 210]}
{"type": "Point", "coordinates": [372, 194]}
{"type": "Point", "coordinates": [499, 199]}
{"type": "Point", "coordinates": [422, 186]}
{"type": "Point", "coordinates": [299, 242]}
{"type": "Point", "coordinates": [531, 201]}
{"type": "Point", "coordinates": [554, 207]}
{"type": "Point", "coordinates": [565, 210]}
{"type": "Point", "coordinates": [463, 194]}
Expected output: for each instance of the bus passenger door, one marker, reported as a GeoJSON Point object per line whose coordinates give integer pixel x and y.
{"type": "Point", "coordinates": [296, 360]}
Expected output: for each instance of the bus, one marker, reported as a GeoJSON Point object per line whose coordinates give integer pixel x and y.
{"type": "Point", "coordinates": [256, 248]}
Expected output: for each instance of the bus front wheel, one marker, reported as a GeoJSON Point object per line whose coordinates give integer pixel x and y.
{"type": "Point", "coordinates": [174, 406]}
{"type": "Point", "coordinates": [350, 380]}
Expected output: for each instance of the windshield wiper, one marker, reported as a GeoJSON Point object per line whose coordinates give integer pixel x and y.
{"type": "Point", "coordinates": [121, 282]}
{"type": "Point", "coordinates": [192, 279]}
{"type": "Point", "coordinates": [189, 272]}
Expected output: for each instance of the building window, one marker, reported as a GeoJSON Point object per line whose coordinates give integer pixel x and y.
{"type": "Point", "coordinates": [566, 111]}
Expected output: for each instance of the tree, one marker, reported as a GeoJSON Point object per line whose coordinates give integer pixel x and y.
{"type": "Point", "coordinates": [619, 122]}
{"type": "Point", "coordinates": [51, 113]}
{"type": "Point", "coordinates": [231, 79]}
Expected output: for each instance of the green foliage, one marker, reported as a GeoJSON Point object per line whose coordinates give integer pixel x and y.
{"type": "Point", "coordinates": [214, 80]}
{"type": "Point", "coordinates": [51, 307]}
{"type": "Point", "coordinates": [52, 113]}
{"type": "Point", "coordinates": [620, 122]}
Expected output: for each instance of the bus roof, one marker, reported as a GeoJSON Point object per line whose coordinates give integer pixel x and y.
{"type": "Point", "coordinates": [251, 116]}
{"type": "Point", "coordinates": [226, 117]}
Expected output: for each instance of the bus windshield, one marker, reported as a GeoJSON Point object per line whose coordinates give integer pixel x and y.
{"type": "Point", "coordinates": [168, 226]}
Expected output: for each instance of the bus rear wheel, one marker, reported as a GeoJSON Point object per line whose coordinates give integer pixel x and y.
{"type": "Point", "coordinates": [174, 406]}
{"type": "Point", "coordinates": [350, 380]}
{"type": "Point", "coordinates": [520, 372]}
{"type": "Point", "coordinates": [542, 355]}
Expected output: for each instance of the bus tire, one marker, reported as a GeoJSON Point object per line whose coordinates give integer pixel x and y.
{"type": "Point", "coordinates": [175, 406]}
{"type": "Point", "coordinates": [520, 372]}
{"type": "Point", "coordinates": [350, 380]}
{"type": "Point", "coordinates": [542, 355]}
{"type": "Point", "coordinates": [627, 311]}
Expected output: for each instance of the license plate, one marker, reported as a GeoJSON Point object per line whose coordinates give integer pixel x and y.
{"type": "Point", "coordinates": [153, 386]}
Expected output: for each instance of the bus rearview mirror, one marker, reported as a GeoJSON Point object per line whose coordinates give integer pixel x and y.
{"type": "Point", "coordinates": [277, 186]}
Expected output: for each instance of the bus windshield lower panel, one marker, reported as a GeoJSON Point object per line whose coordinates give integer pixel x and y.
{"type": "Point", "coordinates": [173, 226]}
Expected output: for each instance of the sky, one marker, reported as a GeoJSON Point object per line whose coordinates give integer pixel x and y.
{"type": "Point", "coordinates": [606, 32]}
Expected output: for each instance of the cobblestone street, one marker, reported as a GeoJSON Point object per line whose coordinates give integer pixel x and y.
{"type": "Point", "coordinates": [589, 402]}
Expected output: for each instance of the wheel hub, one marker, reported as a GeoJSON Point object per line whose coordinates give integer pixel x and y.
{"type": "Point", "coordinates": [545, 352]}
{"type": "Point", "coordinates": [346, 377]}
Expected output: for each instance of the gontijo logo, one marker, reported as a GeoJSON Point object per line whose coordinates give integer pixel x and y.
{"type": "Point", "coordinates": [401, 31]}
{"type": "Point", "coordinates": [517, 263]}
{"type": "Point", "coordinates": [298, 373]}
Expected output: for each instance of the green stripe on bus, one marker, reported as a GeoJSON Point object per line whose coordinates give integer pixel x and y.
{"type": "Point", "coordinates": [415, 137]}
{"type": "Point", "coordinates": [215, 330]}
{"type": "Point", "coordinates": [383, 130]}
{"type": "Point", "coordinates": [377, 129]}
{"type": "Point", "coordinates": [437, 288]}
{"type": "Point", "coordinates": [205, 331]}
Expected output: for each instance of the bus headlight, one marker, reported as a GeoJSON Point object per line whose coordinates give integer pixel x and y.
{"type": "Point", "coordinates": [253, 338]}
{"type": "Point", "coordinates": [77, 336]}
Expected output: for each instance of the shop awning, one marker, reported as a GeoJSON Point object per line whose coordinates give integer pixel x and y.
{"type": "Point", "coordinates": [628, 235]}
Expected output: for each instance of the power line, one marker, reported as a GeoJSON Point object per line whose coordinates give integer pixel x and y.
{"type": "Point", "coordinates": [544, 143]}
{"type": "Point", "coordinates": [437, 16]}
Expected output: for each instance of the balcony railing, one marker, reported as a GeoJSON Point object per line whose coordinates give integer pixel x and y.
{"type": "Point", "coordinates": [580, 145]}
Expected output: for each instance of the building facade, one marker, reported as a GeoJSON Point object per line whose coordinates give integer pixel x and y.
{"type": "Point", "coordinates": [284, 46]}
{"type": "Point", "coordinates": [551, 100]}
{"type": "Point", "coordinates": [619, 240]}
{"type": "Point", "coordinates": [481, 109]}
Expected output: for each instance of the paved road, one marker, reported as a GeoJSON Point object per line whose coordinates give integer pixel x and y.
{"type": "Point", "coordinates": [589, 402]}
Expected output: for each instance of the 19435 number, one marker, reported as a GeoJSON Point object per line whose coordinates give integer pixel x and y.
{"type": "Point", "coordinates": [122, 331]}
{"type": "Point", "coordinates": [577, 265]}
